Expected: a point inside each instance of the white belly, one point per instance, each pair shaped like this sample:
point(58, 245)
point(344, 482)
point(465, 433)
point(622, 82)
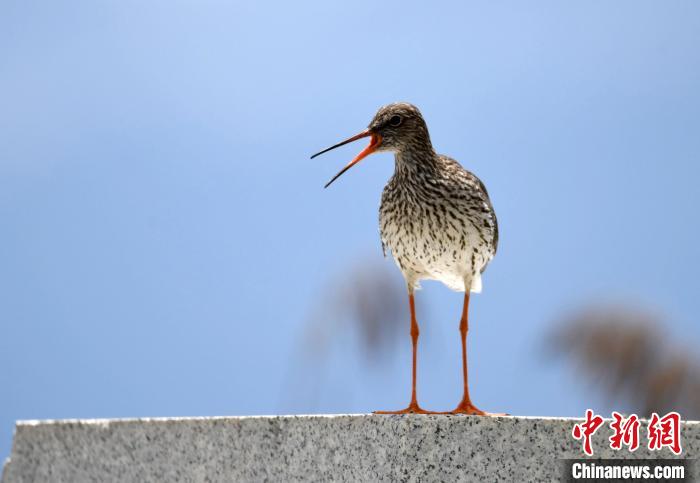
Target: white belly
point(432, 248)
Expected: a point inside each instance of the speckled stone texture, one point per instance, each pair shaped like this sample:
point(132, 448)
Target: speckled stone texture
point(308, 448)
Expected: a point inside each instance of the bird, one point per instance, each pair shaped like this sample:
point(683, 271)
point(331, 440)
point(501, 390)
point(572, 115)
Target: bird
point(436, 219)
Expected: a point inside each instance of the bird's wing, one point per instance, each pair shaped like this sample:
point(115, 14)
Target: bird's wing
point(474, 180)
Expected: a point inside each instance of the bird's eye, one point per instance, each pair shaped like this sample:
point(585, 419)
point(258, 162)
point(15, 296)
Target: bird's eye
point(395, 120)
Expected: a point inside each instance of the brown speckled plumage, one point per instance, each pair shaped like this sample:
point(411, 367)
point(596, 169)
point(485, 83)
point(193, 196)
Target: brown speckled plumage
point(435, 217)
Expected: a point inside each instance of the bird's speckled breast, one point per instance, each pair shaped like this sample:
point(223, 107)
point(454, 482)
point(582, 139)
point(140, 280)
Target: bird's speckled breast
point(439, 225)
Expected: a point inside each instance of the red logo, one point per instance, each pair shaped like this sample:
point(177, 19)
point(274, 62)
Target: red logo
point(625, 431)
point(665, 431)
point(661, 431)
point(586, 430)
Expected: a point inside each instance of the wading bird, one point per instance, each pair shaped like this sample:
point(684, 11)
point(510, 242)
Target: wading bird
point(435, 217)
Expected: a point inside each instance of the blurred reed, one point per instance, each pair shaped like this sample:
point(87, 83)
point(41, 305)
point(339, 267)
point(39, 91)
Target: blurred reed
point(363, 309)
point(627, 356)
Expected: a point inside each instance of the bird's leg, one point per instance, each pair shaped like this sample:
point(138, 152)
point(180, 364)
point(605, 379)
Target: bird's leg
point(413, 407)
point(465, 406)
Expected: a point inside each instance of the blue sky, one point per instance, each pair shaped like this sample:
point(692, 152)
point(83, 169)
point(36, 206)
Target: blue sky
point(164, 235)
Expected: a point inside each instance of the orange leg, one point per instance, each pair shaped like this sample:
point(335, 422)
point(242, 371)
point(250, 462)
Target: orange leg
point(413, 407)
point(465, 406)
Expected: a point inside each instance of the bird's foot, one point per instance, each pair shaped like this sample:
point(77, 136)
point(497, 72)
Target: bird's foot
point(469, 409)
point(412, 408)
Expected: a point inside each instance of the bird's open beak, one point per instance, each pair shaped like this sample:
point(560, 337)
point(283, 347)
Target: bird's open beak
point(374, 143)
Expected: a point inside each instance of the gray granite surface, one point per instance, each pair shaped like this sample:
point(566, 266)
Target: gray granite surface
point(308, 448)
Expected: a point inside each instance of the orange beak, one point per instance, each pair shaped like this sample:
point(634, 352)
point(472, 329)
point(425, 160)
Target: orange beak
point(374, 143)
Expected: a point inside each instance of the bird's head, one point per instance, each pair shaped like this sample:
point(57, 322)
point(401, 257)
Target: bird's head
point(397, 127)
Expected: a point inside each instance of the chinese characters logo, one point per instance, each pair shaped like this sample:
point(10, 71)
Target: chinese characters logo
point(662, 432)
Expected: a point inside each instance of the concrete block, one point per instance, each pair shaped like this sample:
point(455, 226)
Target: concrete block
point(308, 448)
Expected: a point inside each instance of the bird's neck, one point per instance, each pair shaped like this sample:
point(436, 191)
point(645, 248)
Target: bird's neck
point(413, 161)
